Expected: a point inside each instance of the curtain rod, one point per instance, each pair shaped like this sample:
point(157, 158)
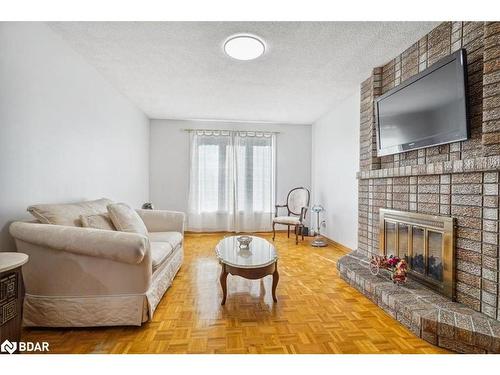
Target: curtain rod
point(227, 130)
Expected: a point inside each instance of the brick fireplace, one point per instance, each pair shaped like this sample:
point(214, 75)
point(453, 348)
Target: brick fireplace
point(459, 181)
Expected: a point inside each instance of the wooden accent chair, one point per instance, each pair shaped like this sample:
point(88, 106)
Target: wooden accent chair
point(297, 203)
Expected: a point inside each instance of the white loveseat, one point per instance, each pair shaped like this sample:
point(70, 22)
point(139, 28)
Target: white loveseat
point(80, 277)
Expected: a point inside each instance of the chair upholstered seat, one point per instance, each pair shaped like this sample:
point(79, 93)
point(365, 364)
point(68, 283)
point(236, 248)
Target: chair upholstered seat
point(292, 220)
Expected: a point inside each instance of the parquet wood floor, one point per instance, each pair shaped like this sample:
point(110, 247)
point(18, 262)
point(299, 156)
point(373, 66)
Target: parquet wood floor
point(316, 312)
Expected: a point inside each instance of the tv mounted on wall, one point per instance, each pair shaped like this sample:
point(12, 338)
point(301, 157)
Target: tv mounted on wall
point(428, 109)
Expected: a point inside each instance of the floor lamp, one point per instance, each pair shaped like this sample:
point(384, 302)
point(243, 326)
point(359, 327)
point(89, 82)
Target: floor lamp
point(318, 239)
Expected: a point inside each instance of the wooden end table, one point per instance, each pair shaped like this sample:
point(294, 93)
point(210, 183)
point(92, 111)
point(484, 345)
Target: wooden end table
point(11, 295)
point(258, 260)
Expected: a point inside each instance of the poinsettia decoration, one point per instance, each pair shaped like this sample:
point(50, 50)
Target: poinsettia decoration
point(397, 267)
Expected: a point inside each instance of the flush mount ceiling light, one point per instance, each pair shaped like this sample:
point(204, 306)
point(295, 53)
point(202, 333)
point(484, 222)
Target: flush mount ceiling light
point(244, 47)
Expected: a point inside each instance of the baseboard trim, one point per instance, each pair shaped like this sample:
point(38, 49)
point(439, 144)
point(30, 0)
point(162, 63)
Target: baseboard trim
point(337, 245)
point(331, 242)
point(234, 233)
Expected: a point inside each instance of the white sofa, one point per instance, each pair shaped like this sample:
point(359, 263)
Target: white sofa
point(80, 277)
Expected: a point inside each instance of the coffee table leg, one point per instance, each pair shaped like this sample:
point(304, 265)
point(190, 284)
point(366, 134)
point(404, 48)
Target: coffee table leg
point(223, 284)
point(276, 277)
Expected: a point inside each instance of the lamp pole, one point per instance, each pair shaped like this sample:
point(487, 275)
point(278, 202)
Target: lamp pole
point(318, 241)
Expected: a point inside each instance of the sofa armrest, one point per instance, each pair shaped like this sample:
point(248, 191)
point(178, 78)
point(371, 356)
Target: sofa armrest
point(162, 220)
point(118, 246)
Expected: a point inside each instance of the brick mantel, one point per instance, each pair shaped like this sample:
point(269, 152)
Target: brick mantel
point(480, 164)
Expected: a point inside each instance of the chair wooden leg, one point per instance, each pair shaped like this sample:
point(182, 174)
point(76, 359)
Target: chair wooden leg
point(288, 226)
point(296, 235)
point(274, 231)
point(302, 231)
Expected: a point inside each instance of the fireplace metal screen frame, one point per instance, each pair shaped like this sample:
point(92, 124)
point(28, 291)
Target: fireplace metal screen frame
point(441, 224)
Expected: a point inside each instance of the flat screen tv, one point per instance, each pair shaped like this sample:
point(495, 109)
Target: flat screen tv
point(428, 109)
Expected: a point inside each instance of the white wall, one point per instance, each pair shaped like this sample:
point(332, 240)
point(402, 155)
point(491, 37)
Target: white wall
point(65, 133)
point(335, 159)
point(169, 162)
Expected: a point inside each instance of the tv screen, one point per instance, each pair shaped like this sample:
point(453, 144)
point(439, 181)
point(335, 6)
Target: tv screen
point(429, 109)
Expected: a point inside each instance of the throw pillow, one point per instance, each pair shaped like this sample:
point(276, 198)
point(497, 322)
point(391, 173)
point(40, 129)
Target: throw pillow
point(68, 214)
point(126, 219)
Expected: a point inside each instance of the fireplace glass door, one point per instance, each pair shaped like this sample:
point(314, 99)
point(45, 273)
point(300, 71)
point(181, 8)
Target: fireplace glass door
point(435, 256)
point(417, 263)
point(403, 241)
point(426, 242)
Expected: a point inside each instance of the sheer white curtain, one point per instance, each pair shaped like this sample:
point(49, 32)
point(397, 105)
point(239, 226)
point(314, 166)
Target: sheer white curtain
point(254, 180)
point(211, 180)
point(232, 181)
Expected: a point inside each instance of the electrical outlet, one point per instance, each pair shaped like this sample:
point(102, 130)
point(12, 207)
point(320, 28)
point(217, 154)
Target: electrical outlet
point(323, 224)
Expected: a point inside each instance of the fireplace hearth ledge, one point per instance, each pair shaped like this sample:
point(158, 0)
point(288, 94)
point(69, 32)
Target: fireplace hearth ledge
point(426, 313)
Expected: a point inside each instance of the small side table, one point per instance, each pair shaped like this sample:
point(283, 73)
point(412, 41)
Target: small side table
point(11, 295)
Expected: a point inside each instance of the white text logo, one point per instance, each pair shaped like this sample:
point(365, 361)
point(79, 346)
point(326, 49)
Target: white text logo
point(24, 346)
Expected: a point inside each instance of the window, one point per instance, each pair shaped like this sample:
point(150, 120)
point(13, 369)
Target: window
point(232, 181)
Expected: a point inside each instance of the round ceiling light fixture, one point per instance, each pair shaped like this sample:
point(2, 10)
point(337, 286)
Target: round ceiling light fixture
point(244, 47)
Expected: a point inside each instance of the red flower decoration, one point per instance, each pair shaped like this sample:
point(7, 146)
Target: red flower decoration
point(395, 265)
point(393, 261)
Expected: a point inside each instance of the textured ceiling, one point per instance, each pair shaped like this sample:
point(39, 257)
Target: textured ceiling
point(178, 70)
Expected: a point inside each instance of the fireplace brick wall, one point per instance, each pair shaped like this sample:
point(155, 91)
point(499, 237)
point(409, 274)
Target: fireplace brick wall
point(459, 179)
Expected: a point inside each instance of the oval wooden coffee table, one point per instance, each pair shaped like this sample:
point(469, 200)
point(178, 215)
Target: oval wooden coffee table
point(255, 262)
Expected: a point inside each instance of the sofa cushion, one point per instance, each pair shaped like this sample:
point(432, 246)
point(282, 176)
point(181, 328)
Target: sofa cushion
point(160, 251)
point(99, 221)
point(173, 238)
point(68, 214)
point(126, 219)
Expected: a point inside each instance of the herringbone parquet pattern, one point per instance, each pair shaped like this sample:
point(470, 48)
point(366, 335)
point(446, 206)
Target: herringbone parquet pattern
point(317, 312)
